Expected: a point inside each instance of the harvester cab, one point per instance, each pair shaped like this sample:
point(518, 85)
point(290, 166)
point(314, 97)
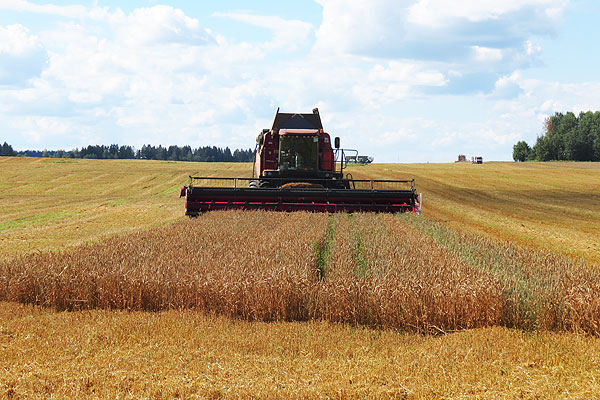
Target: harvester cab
point(296, 148)
point(297, 168)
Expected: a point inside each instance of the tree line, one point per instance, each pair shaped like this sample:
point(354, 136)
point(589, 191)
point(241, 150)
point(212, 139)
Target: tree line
point(147, 152)
point(7, 150)
point(567, 137)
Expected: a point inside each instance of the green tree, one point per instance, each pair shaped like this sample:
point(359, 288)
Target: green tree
point(582, 144)
point(7, 150)
point(161, 153)
point(173, 153)
point(542, 150)
point(521, 151)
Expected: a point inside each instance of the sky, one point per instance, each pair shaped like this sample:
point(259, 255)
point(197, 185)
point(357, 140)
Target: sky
point(400, 80)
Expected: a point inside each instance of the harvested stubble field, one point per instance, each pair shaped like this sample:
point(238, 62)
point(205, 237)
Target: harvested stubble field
point(503, 316)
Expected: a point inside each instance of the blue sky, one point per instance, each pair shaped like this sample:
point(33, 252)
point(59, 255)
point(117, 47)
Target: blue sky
point(401, 80)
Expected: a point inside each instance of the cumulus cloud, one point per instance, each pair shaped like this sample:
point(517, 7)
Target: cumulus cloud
point(134, 78)
point(71, 11)
point(375, 69)
point(373, 28)
point(550, 97)
point(507, 87)
point(287, 34)
point(22, 56)
point(422, 28)
point(481, 39)
point(396, 81)
point(437, 13)
point(161, 24)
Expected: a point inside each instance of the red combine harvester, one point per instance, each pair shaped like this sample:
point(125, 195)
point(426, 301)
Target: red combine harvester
point(296, 168)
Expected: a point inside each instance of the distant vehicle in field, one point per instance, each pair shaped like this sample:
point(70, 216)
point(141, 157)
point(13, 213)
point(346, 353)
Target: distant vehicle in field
point(356, 159)
point(461, 158)
point(476, 160)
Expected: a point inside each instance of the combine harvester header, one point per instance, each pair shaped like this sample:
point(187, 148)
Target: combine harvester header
point(296, 168)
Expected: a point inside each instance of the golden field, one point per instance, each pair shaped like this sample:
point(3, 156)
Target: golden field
point(401, 279)
point(553, 205)
point(53, 203)
point(186, 354)
point(498, 246)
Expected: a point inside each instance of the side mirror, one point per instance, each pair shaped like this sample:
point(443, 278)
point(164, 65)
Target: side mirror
point(261, 137)
point(337, 142)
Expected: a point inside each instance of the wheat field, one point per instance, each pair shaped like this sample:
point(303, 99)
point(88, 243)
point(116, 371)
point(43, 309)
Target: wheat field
point(404, 280)
point(187, 354)
point(50, 204)
point(373, 270)
point(106, 291)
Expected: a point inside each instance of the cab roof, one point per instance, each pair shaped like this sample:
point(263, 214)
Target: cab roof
point(297, 121)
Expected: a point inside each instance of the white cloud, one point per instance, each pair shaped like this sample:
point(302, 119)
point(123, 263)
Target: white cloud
point(396, 81)
point(480, 40)
point(22, 56)
point(376, 71)
point(507, 87)
point(161, 24)
point(72, 11)
point(394, 137)
point(396, 28)
point(521, 117)
point(154, 75)
point(361, 27)
point(287, 34)
point(486, 54)
point(16, 40)
point(42, 130)
point(531, 48)
point(436, 13)
point(551, 97)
